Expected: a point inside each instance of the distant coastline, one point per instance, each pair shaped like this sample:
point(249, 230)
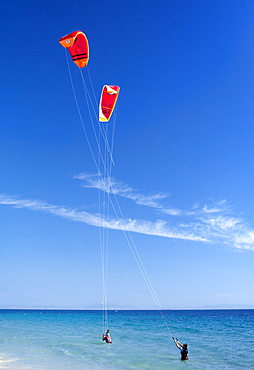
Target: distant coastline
point(127, 308)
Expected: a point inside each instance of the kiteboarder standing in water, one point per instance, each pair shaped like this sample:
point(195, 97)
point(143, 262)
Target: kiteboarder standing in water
point(183, 349)
point(107, 337)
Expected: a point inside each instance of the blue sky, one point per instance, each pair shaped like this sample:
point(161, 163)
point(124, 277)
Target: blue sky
point(183, 152)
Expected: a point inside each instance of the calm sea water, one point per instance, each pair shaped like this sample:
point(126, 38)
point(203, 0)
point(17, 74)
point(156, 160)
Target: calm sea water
point(50, 339)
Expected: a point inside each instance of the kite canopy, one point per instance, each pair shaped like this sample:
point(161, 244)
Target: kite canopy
point(108, 100)
point(78, 46)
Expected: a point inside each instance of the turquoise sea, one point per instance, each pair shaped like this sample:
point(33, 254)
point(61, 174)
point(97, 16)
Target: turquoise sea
point(71, 339)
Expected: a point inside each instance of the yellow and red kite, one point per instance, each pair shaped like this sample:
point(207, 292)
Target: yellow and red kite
point(108, 100)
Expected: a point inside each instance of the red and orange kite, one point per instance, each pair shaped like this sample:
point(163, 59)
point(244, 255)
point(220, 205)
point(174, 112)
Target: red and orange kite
point(78, 46)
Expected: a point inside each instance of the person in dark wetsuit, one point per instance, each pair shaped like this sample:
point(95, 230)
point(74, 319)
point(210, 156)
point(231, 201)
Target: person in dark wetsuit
point(183, 350)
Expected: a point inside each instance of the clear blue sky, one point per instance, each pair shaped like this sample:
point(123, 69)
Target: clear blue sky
point(184, 154)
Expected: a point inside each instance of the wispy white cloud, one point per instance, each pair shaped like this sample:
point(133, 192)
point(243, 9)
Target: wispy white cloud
point(245, 240)
point(213, 222)
point(218, 223)
point(205, 209)
point(222, 223)
point(112, 186)
point(157, 228)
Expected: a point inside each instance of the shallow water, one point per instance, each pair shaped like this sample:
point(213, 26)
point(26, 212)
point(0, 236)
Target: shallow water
point(50, 339)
